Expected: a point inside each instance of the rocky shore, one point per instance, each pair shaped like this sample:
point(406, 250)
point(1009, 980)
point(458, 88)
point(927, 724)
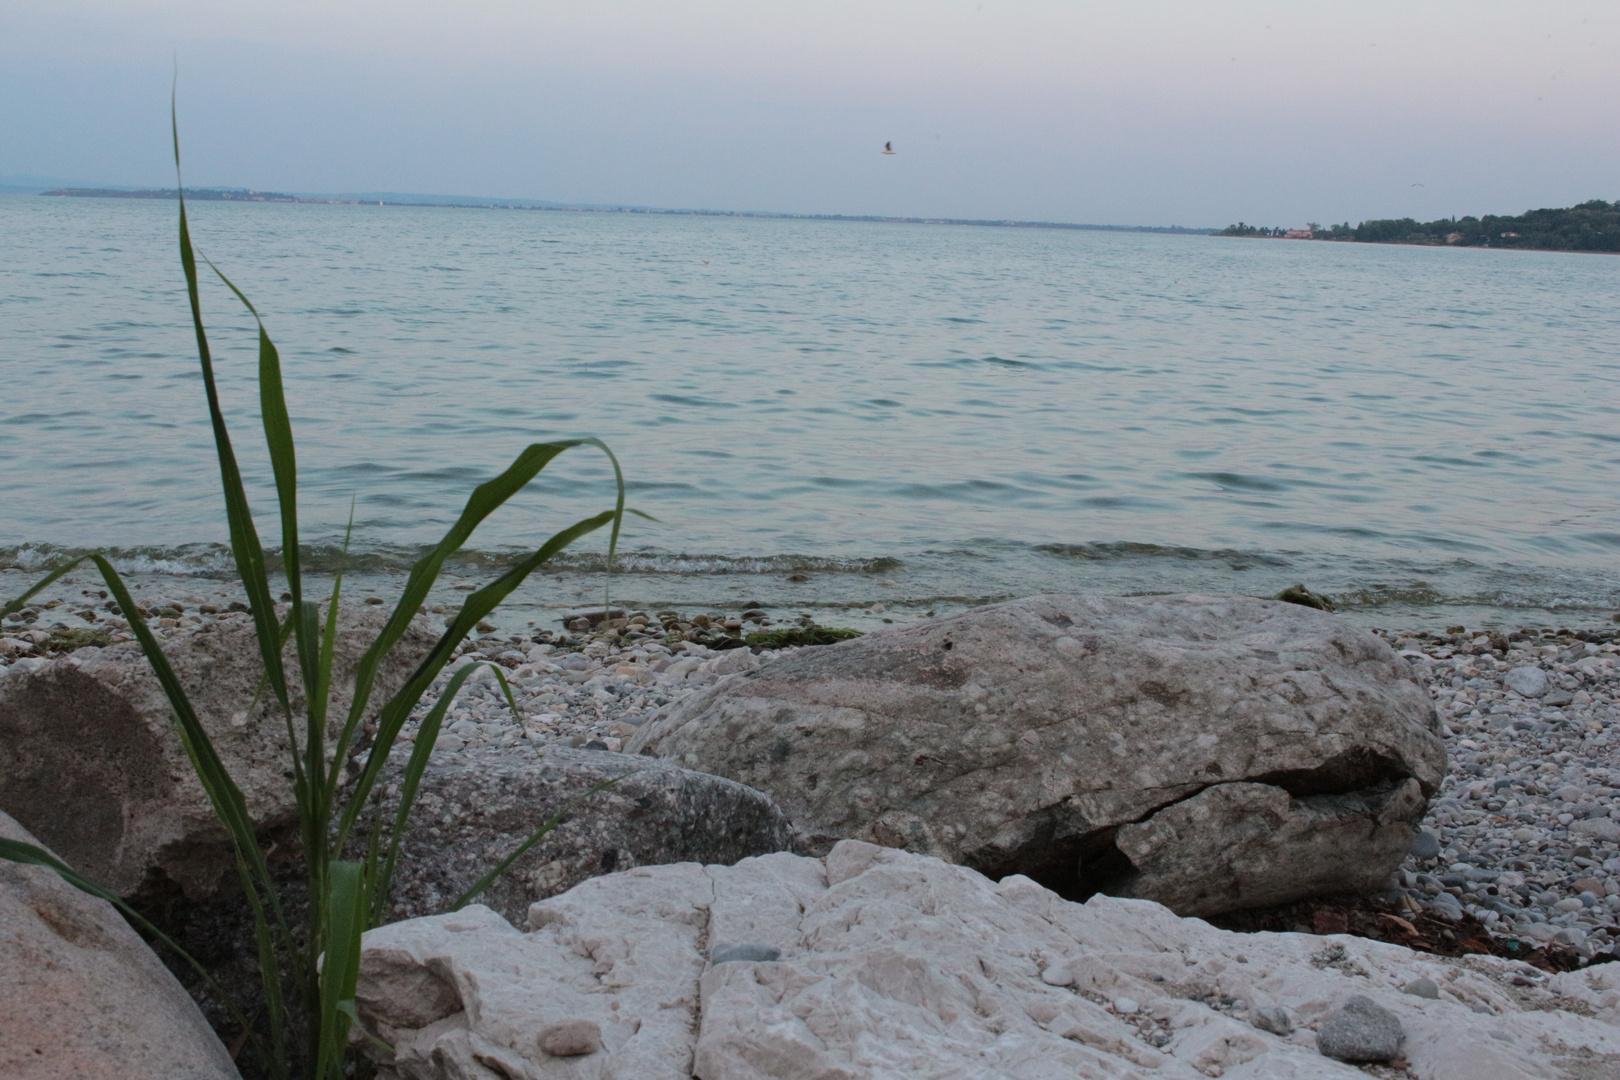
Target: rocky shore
point(1523, 835)
point(1525, 832)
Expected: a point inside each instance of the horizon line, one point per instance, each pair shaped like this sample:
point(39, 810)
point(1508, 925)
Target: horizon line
point(473, 202)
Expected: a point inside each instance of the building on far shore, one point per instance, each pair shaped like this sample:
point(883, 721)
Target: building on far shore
point(1297, 234)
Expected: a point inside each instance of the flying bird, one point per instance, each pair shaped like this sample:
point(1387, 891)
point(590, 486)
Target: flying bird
point(888, 148)
point(1417, 185)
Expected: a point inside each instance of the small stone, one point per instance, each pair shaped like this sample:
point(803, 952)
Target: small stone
point(1425, 844)
point(1125, 1006)
point(1274, 1018)
point(761, 954)
point(1361, 1031)
point(1058, 975)
point(1423, 988)
point(571, 1038)
point(1528, 681)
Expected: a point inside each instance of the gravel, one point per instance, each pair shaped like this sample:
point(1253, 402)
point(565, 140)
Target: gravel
point(1527, 819)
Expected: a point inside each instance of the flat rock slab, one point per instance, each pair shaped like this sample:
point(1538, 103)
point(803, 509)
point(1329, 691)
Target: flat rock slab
point(92, 731)
point(899, 965)
point(82, 996)
point(1212, 752)
point(472, 813)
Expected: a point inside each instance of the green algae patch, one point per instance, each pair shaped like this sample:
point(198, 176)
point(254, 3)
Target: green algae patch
point(1299, 594)
point(799, 635)
point(66, 640)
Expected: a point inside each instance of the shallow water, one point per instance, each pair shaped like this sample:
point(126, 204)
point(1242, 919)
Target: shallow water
point(924, 416)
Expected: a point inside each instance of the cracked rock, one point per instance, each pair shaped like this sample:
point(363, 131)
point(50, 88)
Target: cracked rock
point(1236, 846)
point(900, 965)
point(1028, 737)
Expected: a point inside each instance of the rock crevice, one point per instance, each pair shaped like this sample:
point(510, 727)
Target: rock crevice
point(1026, 737)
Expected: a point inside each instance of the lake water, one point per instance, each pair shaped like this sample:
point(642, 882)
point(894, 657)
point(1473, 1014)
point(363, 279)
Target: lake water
point(922, 416)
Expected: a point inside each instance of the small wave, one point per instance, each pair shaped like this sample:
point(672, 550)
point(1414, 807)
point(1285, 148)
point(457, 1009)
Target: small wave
point(638, 562)
point(1240, 481)
point(1602, 539)
point(703, 403)
point(1124, 549)
point(204, 560)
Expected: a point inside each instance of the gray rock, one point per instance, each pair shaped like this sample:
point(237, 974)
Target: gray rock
point(1261, 846)
point(473, 812)
point(1020, 737)
point(1275, 1019)
point(1601, 828)
point(570, 1038)
point(1425, 844)
point(92, 730)
point(1528, 681)
point(1423, 988)
point(1448, 907)
point(1361, 1031)
point(83, 996)
point(726, 954)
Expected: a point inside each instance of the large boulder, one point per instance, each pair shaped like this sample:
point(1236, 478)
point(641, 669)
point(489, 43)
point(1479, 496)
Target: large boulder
point(1212, 752)
point(90, 759)
point(472, 812)
point(82, 995)
point(874, 963)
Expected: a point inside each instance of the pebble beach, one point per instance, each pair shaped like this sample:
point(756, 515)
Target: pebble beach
point(1524, 834)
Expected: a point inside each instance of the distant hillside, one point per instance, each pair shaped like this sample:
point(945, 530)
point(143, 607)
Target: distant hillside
point(1591, 226)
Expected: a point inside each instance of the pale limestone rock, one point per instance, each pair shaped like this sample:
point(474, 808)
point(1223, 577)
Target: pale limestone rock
point(93, 731)
point(895, 965)
point(82, 996)
point(1019, 737)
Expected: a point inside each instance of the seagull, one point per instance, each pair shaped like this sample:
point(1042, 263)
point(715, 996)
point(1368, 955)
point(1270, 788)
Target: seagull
point(1417, 185)
point(888, 148)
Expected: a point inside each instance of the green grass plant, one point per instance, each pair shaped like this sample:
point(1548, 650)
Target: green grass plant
point(309, 977)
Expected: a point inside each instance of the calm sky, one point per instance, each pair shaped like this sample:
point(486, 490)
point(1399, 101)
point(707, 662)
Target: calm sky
point(1148, 112)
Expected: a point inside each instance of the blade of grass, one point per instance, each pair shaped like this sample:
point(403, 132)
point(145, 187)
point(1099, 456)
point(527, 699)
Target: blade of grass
point(246, 549)
point(506, 691)
point(485, 499)
point(278, 438)
point(539, 834)
point(20, 602)
point(397, 709)
point(226, 799)
point(427, 733)
point(346, 907)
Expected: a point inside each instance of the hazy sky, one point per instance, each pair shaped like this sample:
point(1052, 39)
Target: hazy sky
point(1152, 112)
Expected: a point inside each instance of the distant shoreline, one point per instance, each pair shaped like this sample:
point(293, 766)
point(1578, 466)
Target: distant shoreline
point(1592, 226)
point(468, 203)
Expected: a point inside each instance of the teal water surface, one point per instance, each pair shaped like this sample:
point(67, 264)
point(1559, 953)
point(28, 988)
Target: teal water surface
point(925, 416)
